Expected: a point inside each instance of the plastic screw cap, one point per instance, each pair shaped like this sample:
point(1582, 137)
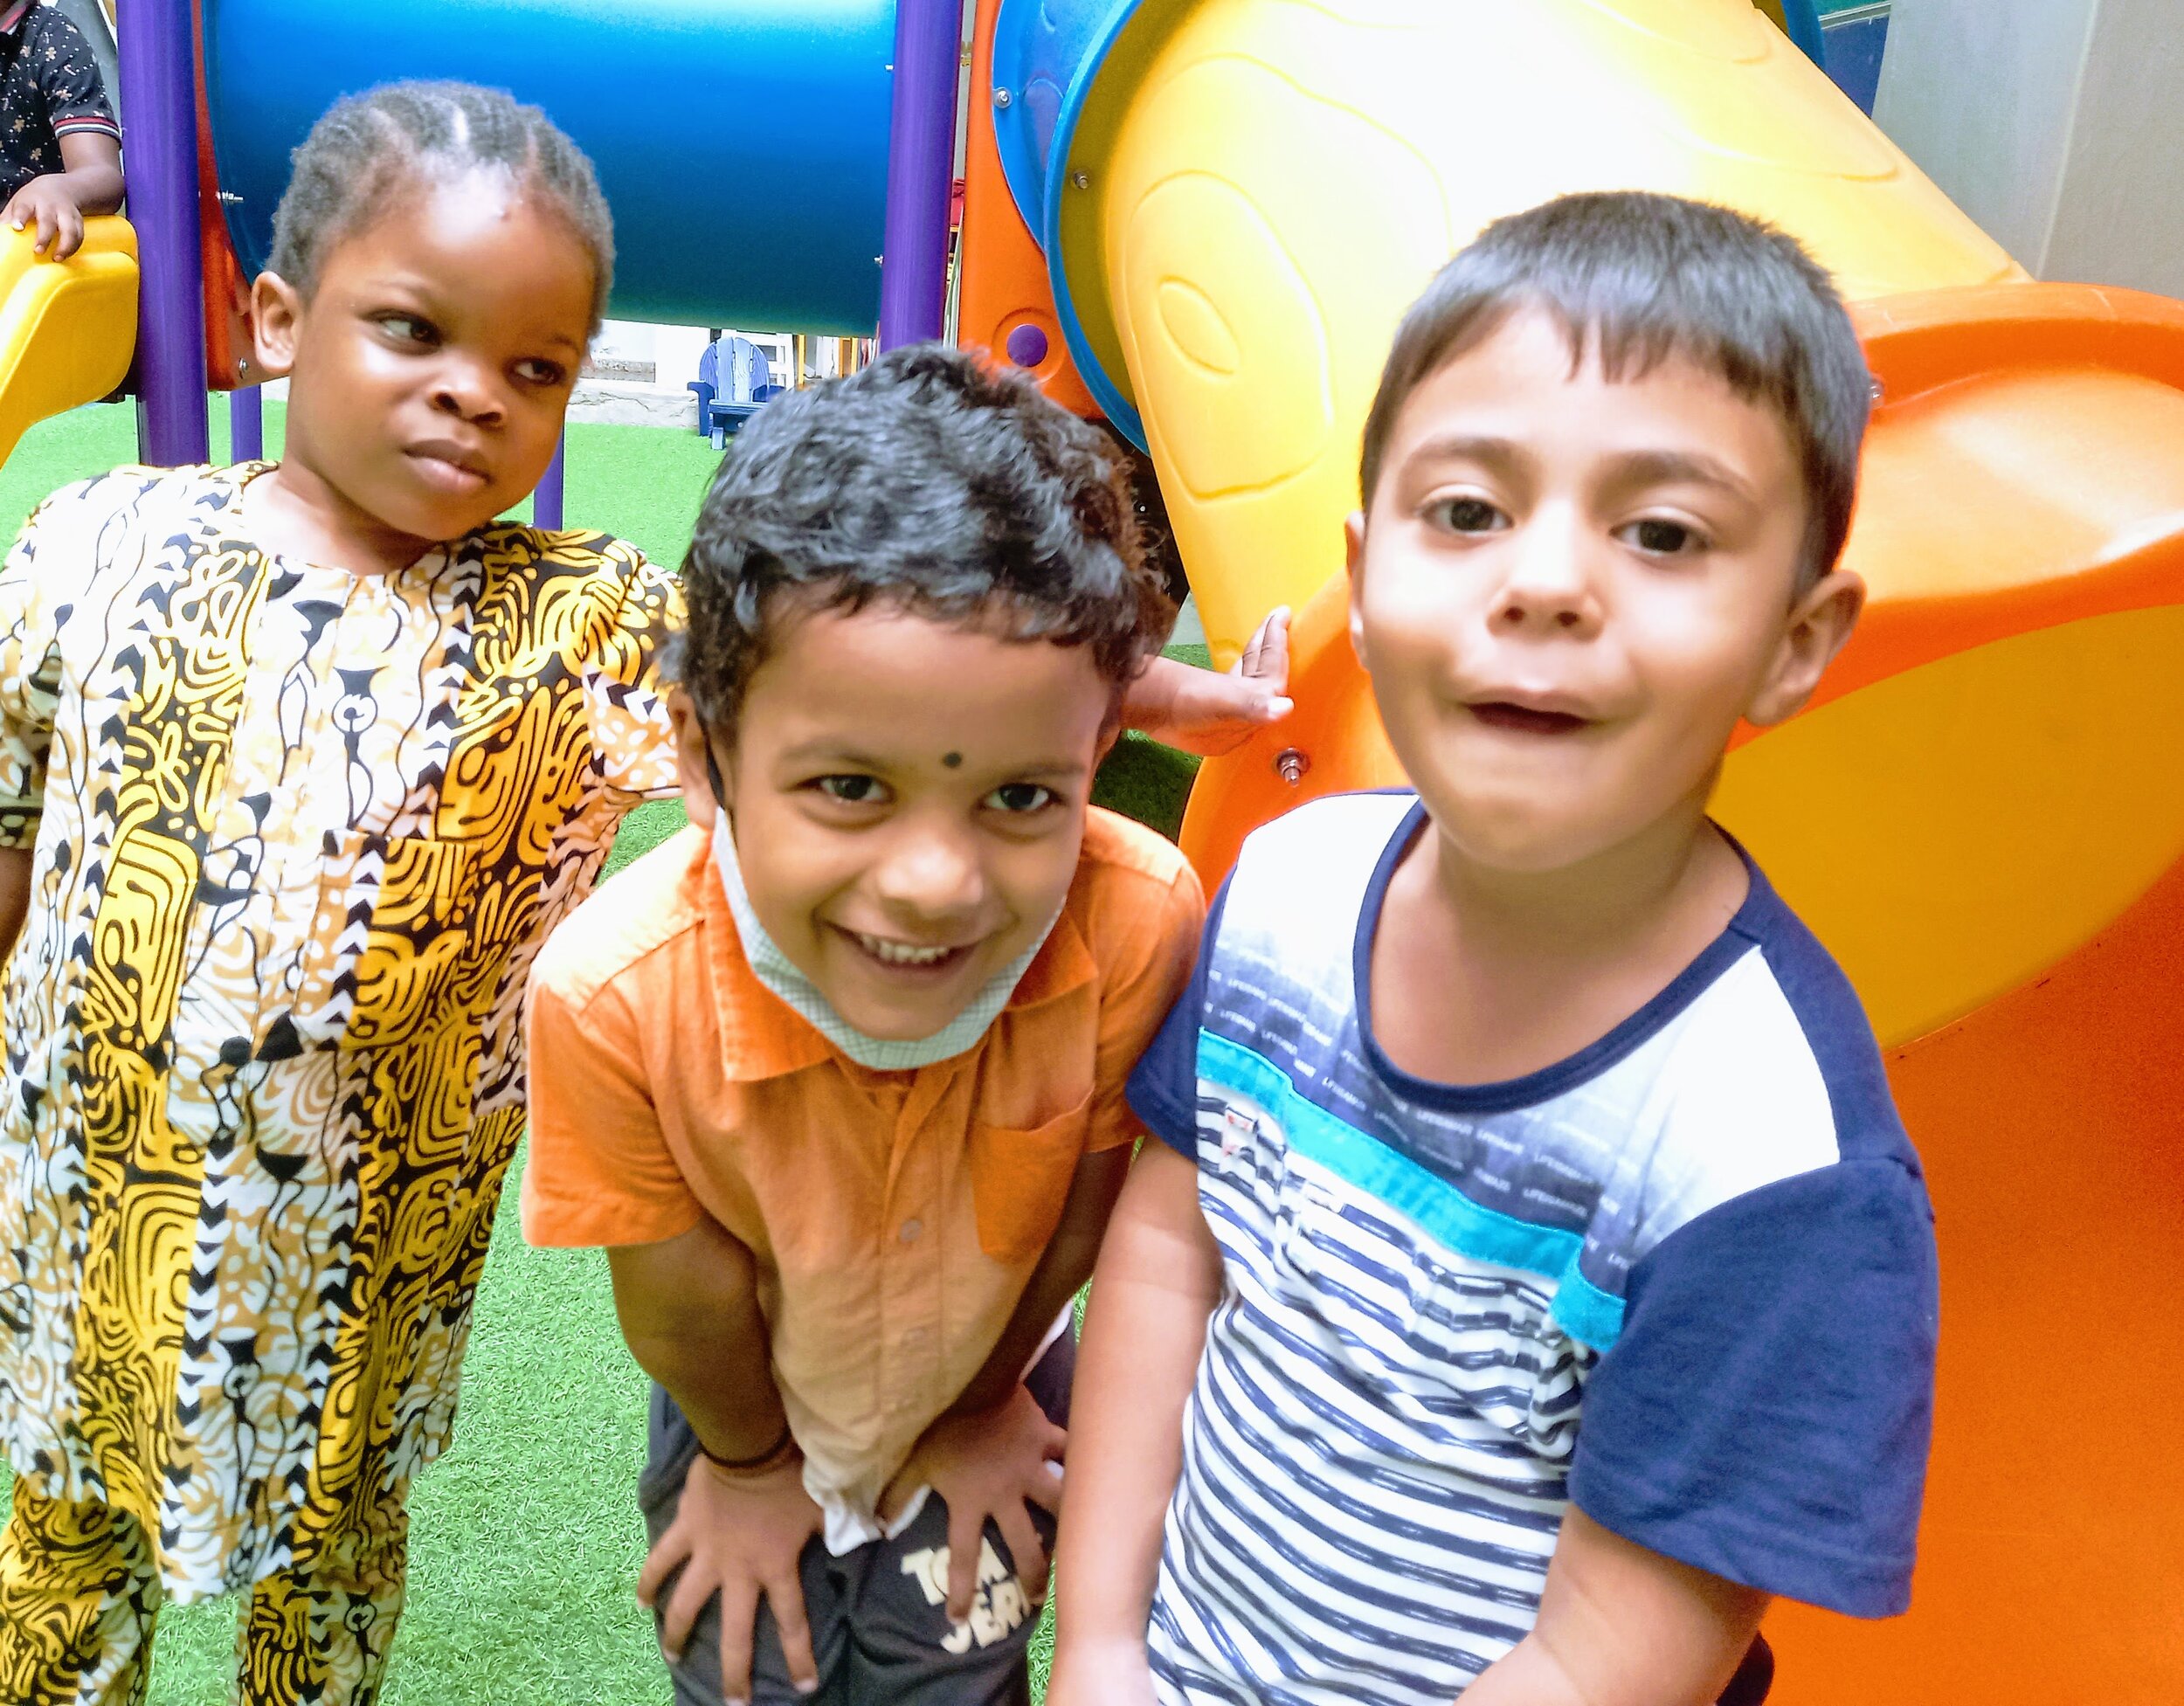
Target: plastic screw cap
point(1026, 346)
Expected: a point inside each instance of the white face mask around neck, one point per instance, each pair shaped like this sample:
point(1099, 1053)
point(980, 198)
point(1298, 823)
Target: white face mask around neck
point(780, 974)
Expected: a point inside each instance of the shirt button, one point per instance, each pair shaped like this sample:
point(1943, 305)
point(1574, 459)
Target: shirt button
point(911, 1227)
point(235, 1052)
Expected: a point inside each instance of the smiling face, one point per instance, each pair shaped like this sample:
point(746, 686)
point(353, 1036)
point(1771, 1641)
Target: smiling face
point(909, 801)
point(433, 363)
point(1568, 590)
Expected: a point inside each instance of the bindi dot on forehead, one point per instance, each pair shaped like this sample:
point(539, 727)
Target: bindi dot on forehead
point(953, 760)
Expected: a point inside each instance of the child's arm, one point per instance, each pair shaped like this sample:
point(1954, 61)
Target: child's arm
point(1621, 1625)
point(1201, 711)
point(689, 1309)
point(1159, 1278)
point(988, 1452)
point(89, 182)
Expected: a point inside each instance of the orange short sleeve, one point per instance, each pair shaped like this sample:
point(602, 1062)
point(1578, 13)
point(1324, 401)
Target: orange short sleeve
point(599, 1172)
point(1151, 965)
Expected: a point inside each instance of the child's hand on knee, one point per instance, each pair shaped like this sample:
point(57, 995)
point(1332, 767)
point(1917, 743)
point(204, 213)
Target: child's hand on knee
point(1201, 711)
point(989, 1464)
point(739, 1536)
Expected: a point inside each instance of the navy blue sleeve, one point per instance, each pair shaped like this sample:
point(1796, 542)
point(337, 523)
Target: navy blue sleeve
point(1765, 1412)
point(1164, 1086)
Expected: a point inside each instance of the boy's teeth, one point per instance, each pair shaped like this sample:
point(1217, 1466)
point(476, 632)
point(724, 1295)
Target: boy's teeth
point(901, 953)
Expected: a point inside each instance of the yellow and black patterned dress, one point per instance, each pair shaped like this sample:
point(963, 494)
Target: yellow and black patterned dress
point(298, 834)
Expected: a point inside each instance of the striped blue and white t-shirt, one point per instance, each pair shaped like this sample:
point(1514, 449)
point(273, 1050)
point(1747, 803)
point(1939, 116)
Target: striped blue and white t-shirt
point(1684, 1278)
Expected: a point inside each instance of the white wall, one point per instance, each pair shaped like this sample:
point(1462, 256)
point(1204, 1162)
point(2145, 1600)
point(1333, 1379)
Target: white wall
point(2058, 124)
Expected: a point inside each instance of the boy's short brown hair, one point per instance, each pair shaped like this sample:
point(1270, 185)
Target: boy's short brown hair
point(1637, 278)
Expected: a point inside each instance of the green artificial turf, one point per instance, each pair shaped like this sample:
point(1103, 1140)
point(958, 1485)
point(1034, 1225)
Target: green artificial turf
point(525, 1541)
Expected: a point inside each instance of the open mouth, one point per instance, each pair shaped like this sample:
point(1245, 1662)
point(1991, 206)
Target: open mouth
point(908, 956)
point(1527, 720)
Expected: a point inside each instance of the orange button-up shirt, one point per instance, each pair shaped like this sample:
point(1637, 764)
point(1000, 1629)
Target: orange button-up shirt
point(893, 1217)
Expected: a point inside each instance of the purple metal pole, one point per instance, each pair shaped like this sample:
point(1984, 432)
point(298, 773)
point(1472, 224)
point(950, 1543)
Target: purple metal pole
point(921, 170)
point(546, 502)
point(247, 424)
point(159, 129)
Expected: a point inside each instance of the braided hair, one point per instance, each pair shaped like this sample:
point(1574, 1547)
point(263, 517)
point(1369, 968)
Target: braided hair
point(371, 146)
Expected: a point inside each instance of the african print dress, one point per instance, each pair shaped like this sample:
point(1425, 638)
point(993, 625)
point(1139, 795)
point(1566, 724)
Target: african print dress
point(298, 834)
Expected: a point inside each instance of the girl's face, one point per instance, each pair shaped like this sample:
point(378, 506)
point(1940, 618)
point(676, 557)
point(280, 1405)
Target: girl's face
point(431, 368)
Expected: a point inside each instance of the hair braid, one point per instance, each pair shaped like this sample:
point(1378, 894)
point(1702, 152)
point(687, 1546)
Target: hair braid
point(369, 147)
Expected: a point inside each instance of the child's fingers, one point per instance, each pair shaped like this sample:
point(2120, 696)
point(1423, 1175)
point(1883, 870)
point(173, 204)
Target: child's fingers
point(1267, 653)
point(1274, 655)
point(1026, 1548)
point(1044, 1489)
point(687, 1604)
point(786, 1595)
point(966, 1530)
point(669, 1555)
point(739, 1615)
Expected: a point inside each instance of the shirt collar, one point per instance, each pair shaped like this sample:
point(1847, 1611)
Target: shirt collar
point(11, 18)
point(763, 1037)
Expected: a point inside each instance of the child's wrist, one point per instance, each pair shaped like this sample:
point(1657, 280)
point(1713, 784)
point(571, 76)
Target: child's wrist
point(776, 1456)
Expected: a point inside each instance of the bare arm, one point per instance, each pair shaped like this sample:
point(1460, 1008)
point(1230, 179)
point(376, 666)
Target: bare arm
point(15, 895)
point(688, 1310)
point(1159, 1278)
point(91, 167)
point(1621, 1625)
point(53, 205)
point(1202, 711)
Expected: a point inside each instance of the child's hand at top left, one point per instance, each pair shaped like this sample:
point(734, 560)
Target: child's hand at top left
point(45, 207)
point(1201, 711)
point(987, 1464)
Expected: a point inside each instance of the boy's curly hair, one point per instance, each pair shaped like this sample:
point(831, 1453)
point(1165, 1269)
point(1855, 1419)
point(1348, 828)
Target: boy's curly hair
point(926, 482)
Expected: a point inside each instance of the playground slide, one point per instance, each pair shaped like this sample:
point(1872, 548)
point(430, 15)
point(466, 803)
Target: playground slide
point(1981, 815)
point(66, 327)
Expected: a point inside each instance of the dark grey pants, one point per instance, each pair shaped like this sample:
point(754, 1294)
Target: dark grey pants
point(880, 1626)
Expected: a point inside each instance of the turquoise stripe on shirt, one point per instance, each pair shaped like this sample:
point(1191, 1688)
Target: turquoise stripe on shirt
point(1587, 1313)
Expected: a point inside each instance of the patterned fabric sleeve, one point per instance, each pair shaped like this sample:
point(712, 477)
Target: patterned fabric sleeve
point(68, 79)
point(29, 663)
point(632, 742)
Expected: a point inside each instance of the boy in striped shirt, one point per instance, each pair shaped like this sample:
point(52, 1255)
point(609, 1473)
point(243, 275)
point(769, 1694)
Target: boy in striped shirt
point(1532, 1277)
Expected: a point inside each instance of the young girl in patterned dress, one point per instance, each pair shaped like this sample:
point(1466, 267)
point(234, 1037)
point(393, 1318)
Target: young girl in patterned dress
point(298, 765)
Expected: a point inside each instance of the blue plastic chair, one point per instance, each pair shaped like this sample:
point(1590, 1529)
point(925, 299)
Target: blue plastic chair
point(734, 379)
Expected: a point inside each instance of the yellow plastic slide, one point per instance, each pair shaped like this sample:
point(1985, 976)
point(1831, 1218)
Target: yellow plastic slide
point(1982, 815)
point(67, 328)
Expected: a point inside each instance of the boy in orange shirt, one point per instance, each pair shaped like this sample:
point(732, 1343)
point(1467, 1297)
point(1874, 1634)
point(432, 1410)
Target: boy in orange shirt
point(837, 1075)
